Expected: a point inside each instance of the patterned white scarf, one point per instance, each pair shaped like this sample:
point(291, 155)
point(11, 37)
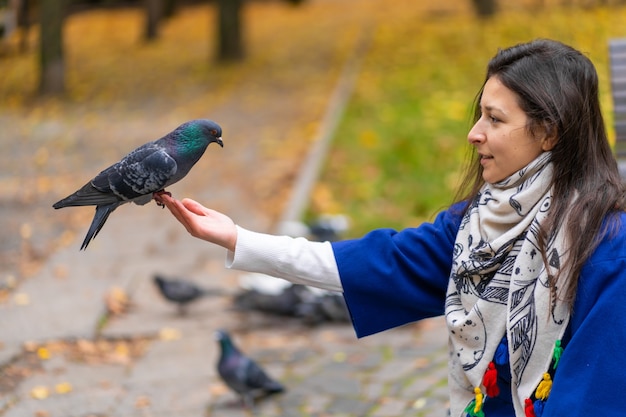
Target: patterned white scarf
point(499, 285)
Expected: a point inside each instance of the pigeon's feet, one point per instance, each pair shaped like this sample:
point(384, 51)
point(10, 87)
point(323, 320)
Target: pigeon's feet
point(157, 197)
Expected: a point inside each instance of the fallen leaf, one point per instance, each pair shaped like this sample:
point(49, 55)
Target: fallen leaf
point(21, 299)
point(169, 333)
point(218, 389)
point(419, 403)
point(63, 388)
point(117, 301)
point(43, 353)
point(40, 392)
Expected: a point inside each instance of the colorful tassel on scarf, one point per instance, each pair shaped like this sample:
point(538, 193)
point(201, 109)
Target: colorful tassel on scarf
point(529, 410)
point(556, 355)
point(490, 380)
point(544, 387)
point(501, 357)
point(475, 408)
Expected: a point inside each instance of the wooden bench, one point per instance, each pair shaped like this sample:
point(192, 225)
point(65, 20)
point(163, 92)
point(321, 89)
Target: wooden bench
point(617, 57)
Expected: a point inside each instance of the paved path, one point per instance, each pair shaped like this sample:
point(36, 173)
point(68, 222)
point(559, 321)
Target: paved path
point(60, 357)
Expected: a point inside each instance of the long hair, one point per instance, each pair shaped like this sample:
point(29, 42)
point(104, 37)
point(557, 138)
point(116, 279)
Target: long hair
point(557, 88)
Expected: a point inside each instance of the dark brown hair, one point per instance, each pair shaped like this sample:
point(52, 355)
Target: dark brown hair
point(557, 87)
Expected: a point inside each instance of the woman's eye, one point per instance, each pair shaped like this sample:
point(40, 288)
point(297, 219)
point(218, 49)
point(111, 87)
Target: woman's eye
point(493, 119)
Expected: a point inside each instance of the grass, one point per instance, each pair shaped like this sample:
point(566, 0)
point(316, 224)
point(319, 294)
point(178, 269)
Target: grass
point(397, 155)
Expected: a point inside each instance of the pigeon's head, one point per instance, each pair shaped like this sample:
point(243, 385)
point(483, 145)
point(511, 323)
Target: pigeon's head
point(208, 129)
point(193, 137)
point(223, 338)
point(221, 335)
point(158, 280)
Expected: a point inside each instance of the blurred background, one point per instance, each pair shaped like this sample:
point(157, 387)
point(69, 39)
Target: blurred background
point(83, 82)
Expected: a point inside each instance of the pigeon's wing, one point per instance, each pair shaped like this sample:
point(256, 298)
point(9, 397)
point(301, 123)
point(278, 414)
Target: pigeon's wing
point(232, 370)
point(144, 171)
point(182, 291)
point(88, 195)
point(256, 378)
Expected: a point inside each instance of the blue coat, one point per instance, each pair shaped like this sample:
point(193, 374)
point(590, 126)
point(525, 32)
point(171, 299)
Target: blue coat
point(393, 278)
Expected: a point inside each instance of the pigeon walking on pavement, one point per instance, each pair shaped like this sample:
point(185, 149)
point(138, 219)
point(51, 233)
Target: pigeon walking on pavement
point(181, 292)
point(144, 173)
point(242, 374)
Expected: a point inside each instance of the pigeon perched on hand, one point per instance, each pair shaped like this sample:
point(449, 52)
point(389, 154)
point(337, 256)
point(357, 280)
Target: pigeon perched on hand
point(242, 374)
point(144, 173)
point(181, 292)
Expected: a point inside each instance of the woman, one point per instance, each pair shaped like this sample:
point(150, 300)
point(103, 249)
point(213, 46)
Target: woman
point(528, 267)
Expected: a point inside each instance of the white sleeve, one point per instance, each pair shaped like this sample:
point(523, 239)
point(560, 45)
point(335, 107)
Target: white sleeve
point(295, 259)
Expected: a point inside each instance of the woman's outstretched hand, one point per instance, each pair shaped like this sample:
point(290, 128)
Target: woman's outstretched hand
point(202, 222)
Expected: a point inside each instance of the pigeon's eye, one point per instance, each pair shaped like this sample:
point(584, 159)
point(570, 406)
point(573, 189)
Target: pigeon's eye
point(214, 132)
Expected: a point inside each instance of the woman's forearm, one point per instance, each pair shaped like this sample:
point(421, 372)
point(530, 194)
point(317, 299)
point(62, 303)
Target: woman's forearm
point(297, 260)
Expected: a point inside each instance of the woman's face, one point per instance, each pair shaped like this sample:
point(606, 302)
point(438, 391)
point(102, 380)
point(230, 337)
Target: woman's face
point(500, 135)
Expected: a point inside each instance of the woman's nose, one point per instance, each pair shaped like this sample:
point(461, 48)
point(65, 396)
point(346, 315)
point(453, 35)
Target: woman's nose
point(476, 134)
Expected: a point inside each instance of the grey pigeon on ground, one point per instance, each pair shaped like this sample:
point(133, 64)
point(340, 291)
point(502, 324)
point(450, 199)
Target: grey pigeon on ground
point(144, 173)
point(181, 292)
point(275, 296)
point(243, 375)
point(313, 306)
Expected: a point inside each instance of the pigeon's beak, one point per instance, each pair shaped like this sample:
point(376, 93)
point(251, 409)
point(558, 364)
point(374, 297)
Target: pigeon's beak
point(220, 141)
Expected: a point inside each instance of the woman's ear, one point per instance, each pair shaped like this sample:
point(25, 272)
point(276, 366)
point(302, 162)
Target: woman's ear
point(550, 139)
point(548, 143)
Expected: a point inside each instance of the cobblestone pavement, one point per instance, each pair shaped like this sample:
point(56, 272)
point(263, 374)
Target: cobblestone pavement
point(152, 362)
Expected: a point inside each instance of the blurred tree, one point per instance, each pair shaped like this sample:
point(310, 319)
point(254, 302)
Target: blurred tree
point(52, 15)
point(230, 39)
point(24, 21)
point(485, 8)
point(154, 12)
point(169, 8)
point(52, 65)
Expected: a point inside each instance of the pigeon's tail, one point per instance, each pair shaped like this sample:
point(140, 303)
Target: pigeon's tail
point(274, 387)
point(101, 216)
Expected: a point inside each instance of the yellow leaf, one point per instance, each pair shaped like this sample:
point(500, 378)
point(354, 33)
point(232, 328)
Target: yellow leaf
point(419, 403)
point(117, 301)
point(21, 299)
point(40, 392)
point(63, 388)
point(122, 349)
point(43, 353)
point(339, 356)
point(169, 333)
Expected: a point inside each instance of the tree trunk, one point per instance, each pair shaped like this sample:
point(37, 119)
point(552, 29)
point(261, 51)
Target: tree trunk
point(485, 8)
point(52, 65)
point(230, 42)
point(154, 11)
point(169, 8)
